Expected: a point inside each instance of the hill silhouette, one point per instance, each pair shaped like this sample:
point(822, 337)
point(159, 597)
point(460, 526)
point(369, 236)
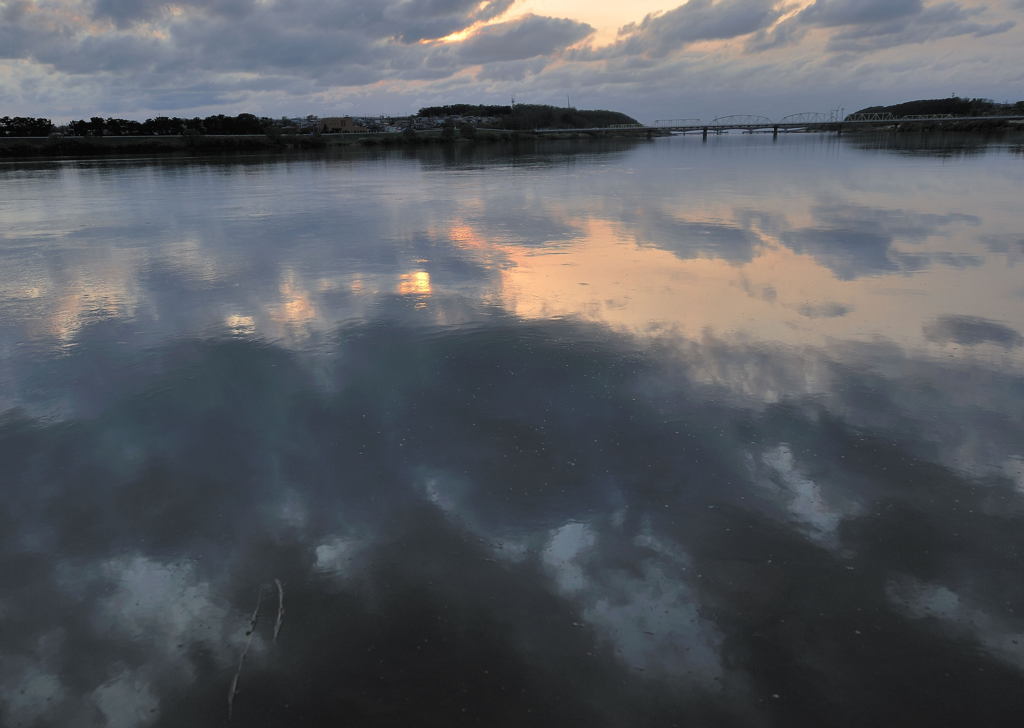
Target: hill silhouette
point(532, 116)
point(954, 105)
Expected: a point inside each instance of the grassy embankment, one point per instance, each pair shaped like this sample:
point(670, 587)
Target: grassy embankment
point(953, 107)
point(71, 146)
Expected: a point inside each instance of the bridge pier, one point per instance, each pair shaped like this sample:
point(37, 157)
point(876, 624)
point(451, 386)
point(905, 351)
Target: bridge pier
point(775, 132)
point(704, 134)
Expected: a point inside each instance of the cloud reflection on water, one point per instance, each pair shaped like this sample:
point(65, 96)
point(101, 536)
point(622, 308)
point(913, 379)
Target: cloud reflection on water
point(487, 518)
point(643, 453)
point(815, 243)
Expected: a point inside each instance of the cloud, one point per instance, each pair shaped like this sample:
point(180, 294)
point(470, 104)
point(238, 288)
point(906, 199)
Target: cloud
point(863, 26)
point(509, 71)
point(940, 21)
point(292, 48)
point(353, 42)
point(831, 13)
point(406, 20)
point(659, 34)
point(130, 58)
point(788, 32)
point(425, 19)
point(526, 37)
point(125, 13)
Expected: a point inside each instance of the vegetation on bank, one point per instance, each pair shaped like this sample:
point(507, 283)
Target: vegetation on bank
point(30, 136)
point(23, 126)
point(70, 146)
point(954, 106)
point(519, 117)
point(531, 116)
point(74, 146)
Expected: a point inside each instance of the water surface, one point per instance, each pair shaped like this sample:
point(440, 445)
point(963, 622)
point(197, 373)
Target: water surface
point(607, 434)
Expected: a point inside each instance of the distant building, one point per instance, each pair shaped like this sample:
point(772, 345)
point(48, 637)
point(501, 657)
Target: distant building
point(342, 124)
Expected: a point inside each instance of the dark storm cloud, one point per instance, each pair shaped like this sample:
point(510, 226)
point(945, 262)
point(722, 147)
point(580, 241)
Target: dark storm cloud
point(512, 70)
point(788, 32)
point(830, 13)
point(127, 12)
point(273, 44)
point(877, 24)
point(860, 27)
point(526, 37)
point(345, 43)
point(314, 48)
point(414, 20)
point(659, 34)
point(940, 21)
point(701, 20)
point(971, 331)
point(105, 53)
point(407, 20)
point(166, 93)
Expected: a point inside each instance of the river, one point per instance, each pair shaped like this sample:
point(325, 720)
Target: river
point(620, 433)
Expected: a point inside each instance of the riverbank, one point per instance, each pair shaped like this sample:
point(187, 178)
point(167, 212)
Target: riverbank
point(75, 146)
point(967, 126)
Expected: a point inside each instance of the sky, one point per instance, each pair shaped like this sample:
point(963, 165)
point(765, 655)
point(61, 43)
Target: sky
point(653, 59)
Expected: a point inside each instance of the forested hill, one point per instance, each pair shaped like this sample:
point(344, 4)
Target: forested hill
point(532, 116)
point(954, 105)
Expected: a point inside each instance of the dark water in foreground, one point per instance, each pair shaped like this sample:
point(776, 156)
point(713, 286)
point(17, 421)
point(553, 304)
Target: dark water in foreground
point(629, 435)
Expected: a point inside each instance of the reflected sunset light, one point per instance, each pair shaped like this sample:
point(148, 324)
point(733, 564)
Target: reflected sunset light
point(415, 284)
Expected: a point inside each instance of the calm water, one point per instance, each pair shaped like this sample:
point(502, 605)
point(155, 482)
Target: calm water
point(653, 434)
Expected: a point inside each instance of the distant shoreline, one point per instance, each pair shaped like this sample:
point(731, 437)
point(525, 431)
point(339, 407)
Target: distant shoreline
point(57, 147)
point(75, 146)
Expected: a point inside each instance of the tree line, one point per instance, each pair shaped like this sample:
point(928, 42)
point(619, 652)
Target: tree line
point(518, 117)
point(465, 110)
point(954, 105)
point(24, 126)
point(532, 116)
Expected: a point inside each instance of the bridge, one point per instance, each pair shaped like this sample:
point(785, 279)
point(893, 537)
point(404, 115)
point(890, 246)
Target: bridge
point(803, 121)
point(814, 121)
